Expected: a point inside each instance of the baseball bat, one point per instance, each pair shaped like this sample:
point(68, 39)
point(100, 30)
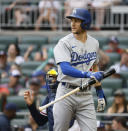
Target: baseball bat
point(90, 82)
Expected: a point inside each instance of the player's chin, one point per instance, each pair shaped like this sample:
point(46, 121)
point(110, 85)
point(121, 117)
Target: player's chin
point(74, 31)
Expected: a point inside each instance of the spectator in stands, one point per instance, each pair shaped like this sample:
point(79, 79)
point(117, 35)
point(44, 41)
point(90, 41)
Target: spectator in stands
point(9, 113)
point(4, 66)
point(113, 45)
point(13, 82)
point(14, 54)
point(124, 2)
point(3, 100)
point(103, 60)
point(99, 6)
point(122, 66)
point(50, 65)
point(120, 124)
point(32, 125)
point(100, 126)
point(48, 10)
point(34, 85)
point(28, 52)
point(41, 76)
point(21, 9)
point(71, 4)
point(39, 56)
point(15, 67)
point(120, 104)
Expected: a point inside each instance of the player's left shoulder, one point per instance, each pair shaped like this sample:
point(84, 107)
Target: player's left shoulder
point(93, 40)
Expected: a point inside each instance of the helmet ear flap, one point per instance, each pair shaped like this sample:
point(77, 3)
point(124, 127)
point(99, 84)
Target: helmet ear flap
point(85, 25)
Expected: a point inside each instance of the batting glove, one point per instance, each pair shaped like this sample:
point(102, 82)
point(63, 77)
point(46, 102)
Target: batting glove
point(101, 104)
point(97, 75)
point(101, 99)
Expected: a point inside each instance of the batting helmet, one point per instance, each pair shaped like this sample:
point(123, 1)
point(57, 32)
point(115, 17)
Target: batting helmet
point(83, 15)
point(51, 78)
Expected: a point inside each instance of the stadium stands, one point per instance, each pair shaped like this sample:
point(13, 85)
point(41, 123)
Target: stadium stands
point(24, 47)
point(4, 39)
point(34, 40)
point(19, 101)
point(102, 41)
point(123, 40)
point(112, 83)
point(109, 84)
point(30, 65)
point(114, 57)
point(49, 41)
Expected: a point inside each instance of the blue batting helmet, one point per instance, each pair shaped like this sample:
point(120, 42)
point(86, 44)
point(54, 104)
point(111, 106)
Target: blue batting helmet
point(83, 15)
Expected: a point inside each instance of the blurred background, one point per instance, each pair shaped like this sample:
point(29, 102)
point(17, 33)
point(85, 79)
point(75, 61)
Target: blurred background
point(29, 30)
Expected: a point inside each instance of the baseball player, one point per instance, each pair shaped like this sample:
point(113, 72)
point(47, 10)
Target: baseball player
point(76, 54)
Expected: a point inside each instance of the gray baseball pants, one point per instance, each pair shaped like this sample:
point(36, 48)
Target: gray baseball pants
point(79, 105)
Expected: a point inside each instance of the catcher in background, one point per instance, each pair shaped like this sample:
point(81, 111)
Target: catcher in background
point(41, 118)
point(76, 56)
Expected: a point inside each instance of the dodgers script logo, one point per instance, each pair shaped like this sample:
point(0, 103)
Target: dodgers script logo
point(84, 58)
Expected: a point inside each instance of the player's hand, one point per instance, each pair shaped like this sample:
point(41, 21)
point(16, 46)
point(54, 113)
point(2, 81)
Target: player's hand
point(98, 75)
point(29, 97)
point(101, 99)
point(101, 104)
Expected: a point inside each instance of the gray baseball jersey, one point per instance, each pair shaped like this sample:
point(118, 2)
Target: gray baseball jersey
point(81, 56)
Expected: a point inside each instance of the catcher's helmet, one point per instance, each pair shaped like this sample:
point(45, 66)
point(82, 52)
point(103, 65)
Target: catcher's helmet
point(51, 78)
point(83, 15)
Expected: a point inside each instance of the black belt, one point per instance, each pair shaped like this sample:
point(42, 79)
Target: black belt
point(69, 86)
point(73, 86)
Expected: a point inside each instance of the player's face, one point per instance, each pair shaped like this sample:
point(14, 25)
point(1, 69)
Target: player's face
point(76, 26)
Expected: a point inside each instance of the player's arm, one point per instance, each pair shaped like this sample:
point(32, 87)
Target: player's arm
point(99, 92)
point(37, 116)
point(67, 69)
point(95, 68)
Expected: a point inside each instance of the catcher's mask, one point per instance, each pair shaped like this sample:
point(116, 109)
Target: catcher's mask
point(51, 78)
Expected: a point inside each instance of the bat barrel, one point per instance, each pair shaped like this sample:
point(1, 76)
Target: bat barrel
point(109, 73)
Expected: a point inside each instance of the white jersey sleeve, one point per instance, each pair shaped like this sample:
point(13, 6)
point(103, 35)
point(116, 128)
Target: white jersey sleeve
point(62, 48)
